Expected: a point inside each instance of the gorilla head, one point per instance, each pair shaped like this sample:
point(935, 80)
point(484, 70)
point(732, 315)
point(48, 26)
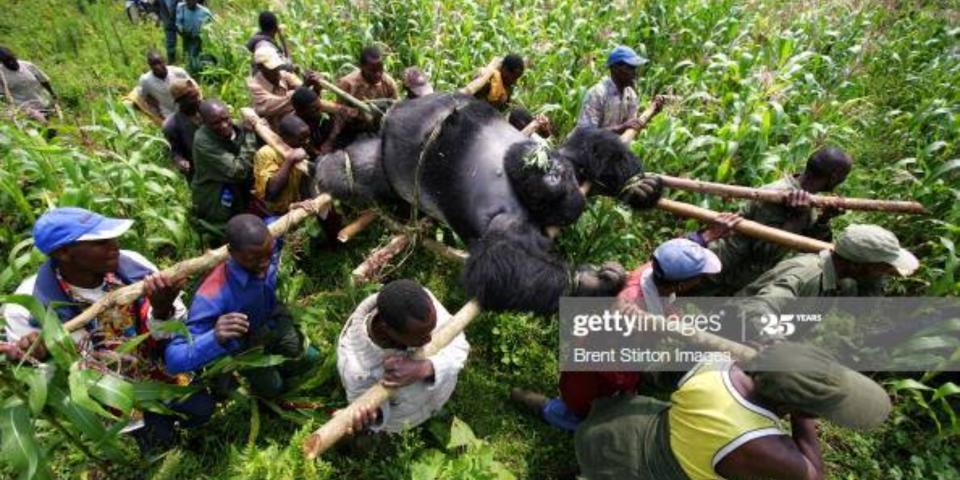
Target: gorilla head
point(545, 183)
point(600, 157)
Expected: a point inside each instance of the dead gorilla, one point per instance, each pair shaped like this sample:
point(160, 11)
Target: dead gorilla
point(458, 161)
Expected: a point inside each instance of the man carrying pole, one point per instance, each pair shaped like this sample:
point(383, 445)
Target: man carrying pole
point(745, 258)
point(372, 349)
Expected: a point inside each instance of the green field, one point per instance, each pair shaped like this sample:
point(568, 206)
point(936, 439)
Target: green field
point(764, 84)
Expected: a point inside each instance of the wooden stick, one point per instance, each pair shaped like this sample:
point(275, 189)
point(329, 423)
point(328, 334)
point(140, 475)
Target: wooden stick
point(193, 266)
point(747, 227)
point(652, 109)
point(263, 130)
point(379, 257)
point(445, 251)
point(142, 105)
point(357, 226)
point(780, 196)
point(477, 83)
point(335, 428)
point(365, 107)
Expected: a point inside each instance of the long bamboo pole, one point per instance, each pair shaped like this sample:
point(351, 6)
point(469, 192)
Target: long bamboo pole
point(193, 266)
point(780, 196)
point(365, 107)
point(477, 83)
point(747, 227)
point(356, 226)
point(652, 109)
point(263, 130)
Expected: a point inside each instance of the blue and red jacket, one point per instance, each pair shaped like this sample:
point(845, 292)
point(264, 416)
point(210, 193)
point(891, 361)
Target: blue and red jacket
point(228, 288)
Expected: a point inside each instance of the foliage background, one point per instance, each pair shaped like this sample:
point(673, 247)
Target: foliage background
point(764, 84)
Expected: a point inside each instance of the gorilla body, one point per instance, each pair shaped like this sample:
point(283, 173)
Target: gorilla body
point(456, 160)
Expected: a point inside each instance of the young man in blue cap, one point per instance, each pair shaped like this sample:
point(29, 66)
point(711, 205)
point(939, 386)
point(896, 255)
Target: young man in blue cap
point(677, 266)
point(612, 103)
point(236, 308)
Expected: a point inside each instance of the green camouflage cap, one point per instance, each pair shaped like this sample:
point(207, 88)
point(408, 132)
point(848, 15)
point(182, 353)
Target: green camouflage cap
point(873, 244)
point(806, 378)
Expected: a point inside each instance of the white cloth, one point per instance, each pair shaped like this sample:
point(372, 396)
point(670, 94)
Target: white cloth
point(360, 363)
point(26, 86)
point(606, 106)
point(18, 317)
point(159, 88)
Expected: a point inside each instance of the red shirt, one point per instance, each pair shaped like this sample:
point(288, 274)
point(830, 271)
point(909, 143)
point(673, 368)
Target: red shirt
point(578, 390)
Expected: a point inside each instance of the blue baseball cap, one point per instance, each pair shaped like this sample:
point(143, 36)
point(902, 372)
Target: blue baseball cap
point(625, 54)
point(682, 259)
point(63, 226)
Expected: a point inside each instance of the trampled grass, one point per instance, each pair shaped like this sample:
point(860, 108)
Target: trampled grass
point(764, 83)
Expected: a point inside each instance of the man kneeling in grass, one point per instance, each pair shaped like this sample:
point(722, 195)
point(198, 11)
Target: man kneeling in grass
point(375, 347)
point(236, 309)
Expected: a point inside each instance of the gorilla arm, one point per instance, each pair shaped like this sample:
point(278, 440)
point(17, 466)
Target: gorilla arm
point(511, 268)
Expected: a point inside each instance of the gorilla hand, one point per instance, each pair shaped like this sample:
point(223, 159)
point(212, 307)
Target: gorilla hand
point(592, 281)
point(642, 192)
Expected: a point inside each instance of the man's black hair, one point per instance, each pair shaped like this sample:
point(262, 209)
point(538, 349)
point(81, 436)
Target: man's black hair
point(246, 230)
point(513, 62)
point(369, 54)
point(208, 107)
point(401, 301)
point(303, 97)
point(519, 118)
point(824, 161)
point(290, 124)
point(268, 21)
point(153, 53)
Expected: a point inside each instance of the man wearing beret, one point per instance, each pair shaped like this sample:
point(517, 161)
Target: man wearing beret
point(862, 256)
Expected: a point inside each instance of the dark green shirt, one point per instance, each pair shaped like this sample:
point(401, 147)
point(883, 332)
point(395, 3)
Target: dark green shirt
point(626, 437)
point(807, 275)
point(222, 174)
point(744, 258)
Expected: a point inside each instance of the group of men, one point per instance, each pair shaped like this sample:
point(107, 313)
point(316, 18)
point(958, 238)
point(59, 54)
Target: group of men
point(722, 420)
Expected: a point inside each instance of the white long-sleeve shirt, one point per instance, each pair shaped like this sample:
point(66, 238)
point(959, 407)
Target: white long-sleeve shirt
point(360, 363)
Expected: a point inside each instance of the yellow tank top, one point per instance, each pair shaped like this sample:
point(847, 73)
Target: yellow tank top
point(709, 418)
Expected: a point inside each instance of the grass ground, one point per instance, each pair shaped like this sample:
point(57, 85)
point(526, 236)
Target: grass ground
point(765, 83)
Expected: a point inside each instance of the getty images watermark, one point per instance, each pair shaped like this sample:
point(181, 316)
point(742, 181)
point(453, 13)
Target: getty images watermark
point(875, 334)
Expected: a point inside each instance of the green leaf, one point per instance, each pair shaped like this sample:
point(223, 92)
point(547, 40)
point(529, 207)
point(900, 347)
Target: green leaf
point(461, 435)
point(428, 466)
point(113, 391)
point(80, 381)
point(19, 448)
point(132, 344)
point(149, 391)
point(254, 358)
point(37, 380)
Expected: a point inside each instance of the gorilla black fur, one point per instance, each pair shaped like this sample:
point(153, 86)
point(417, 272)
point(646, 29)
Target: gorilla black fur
point(513, 269)
point(457, 160)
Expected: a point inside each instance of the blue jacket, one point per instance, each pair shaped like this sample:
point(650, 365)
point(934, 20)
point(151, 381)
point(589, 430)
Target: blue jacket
point(228, 288)
point(47, 289)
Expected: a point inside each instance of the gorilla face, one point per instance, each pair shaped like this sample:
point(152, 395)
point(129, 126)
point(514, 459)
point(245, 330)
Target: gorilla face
point(545, 183)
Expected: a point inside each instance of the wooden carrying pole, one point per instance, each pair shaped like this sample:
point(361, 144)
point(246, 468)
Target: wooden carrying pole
point(747, 227)
point(780, 196)
point(335, 428)
point(652, 109)
point(356, 226)
point(365, 107)
point(477, 83)
point(193, 266)
point(270, 137)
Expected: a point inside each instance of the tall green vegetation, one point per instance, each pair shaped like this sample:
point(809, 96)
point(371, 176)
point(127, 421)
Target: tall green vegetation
point(763, 84)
